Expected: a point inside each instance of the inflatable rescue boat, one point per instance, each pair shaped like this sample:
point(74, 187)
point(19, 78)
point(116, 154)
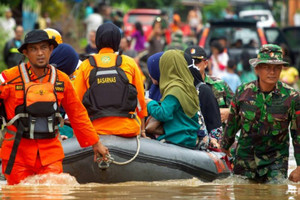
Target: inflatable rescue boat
point(134, 159)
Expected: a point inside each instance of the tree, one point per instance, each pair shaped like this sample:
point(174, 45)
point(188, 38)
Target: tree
point(147, 4)
point(11, 3)
point(53, 7)
point(215, 10)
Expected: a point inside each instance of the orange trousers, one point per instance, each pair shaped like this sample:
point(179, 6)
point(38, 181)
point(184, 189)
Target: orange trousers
point(20, 171)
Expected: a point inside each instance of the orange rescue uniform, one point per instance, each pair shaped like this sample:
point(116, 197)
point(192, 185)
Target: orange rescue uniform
point(31, 152)
point(114, 125)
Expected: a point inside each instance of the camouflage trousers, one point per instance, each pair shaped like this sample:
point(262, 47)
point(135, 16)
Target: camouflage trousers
point(272, 173)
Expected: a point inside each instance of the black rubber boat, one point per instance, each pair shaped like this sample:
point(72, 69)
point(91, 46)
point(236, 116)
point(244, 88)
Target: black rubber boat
point(155, 161)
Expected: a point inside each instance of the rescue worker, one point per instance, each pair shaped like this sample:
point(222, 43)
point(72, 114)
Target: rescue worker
point(64, 53)
point(32, 94)
point(264, 110)
point(11, 55)
point(54, 34)
point(111, 87)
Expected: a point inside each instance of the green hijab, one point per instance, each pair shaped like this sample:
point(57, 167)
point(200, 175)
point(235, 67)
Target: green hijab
point(176, 79)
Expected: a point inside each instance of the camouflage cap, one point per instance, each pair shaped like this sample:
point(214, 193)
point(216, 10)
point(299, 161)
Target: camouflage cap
point(177, 36)
point(268, 54)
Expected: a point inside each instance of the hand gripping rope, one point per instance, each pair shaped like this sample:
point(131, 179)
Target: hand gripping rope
point(104, 164)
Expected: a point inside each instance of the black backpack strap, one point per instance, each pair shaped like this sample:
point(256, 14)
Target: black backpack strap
point(120, 70)
point(93, 71)
point(119, 61)
point(92, 61)
point(12, 157)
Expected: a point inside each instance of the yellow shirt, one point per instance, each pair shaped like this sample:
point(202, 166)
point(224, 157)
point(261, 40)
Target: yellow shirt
point(289, 75)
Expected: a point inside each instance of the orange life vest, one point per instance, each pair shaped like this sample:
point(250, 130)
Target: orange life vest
point(38, 116)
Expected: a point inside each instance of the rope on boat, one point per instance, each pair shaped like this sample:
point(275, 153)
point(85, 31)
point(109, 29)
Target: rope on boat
point(136, 154)
point(104, 164)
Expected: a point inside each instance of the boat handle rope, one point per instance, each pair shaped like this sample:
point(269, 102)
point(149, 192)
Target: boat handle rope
point(104, 164)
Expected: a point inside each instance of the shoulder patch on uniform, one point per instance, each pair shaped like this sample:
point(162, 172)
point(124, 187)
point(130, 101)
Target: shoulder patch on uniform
point(59, 86)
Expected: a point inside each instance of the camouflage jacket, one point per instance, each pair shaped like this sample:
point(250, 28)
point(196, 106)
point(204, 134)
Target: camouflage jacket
point(221, 91)
point(264, 121)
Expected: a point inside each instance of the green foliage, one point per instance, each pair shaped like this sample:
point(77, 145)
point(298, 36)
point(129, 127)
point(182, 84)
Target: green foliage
point(145, 4)
point(215, 10)
point(30, 4)
point(156, 3)
point(83, 43)
point(10, 3)
point(124, 7)
point(124, 4)
point(2, 43)
point(3, 37)
point(276, 11)
point(53, 7)
point(2, 9)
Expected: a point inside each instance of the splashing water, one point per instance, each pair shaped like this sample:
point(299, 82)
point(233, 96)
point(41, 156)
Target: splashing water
point(50, 179)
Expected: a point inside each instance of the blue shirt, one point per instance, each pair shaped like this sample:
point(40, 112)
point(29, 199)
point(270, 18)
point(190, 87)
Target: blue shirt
point(233, 80)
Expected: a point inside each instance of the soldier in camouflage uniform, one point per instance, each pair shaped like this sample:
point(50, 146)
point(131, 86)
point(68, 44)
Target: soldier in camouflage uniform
point(222, 93)
point(263, 111)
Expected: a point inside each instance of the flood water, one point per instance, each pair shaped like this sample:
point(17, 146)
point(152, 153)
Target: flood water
point(64, 186)
point(232, 188)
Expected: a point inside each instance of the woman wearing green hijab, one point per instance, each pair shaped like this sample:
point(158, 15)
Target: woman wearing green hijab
point(179, 103)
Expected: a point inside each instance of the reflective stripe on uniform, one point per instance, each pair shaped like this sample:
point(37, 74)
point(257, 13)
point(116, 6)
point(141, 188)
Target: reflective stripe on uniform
point(53, 75)
point(139, 105)
point(14, 50)
point(24, 73)
point(106, 72)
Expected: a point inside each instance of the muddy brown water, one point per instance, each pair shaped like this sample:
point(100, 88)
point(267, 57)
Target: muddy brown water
point(64, 186)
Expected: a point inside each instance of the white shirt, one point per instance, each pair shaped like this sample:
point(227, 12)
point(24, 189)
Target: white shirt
point(223, 60)
point(8, 26)
point(93, 21)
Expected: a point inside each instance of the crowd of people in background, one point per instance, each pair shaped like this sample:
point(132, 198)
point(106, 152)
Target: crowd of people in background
point(168, 32)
